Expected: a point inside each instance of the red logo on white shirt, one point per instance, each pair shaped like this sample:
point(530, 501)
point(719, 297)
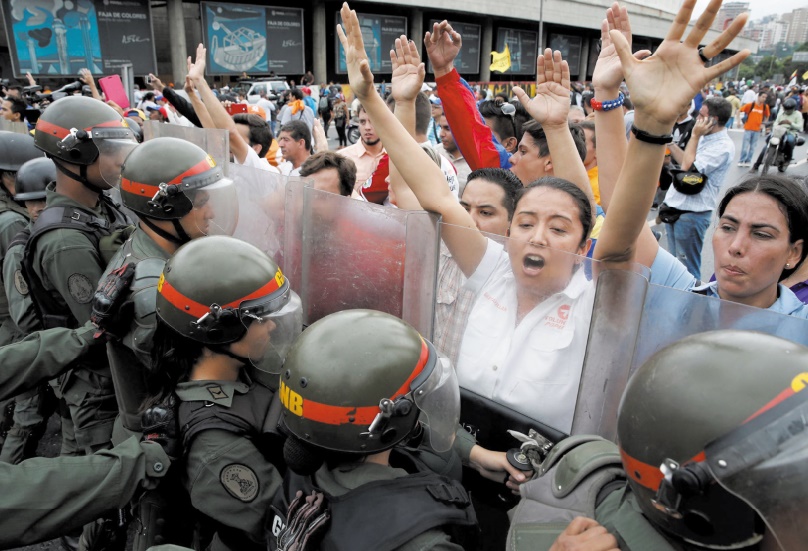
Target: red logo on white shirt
point(564, 311)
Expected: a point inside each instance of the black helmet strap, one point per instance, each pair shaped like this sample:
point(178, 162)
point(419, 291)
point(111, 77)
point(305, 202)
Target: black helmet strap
point(222, 349)
point(81, 177)
point(180, 239)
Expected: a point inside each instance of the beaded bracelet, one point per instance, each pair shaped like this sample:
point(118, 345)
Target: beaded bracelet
point(608, 105)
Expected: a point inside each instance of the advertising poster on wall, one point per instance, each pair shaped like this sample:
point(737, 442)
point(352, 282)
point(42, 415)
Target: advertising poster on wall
point(570, 48)
point(244, 38)
point(467, 61)
point(379, 33)
point(50, 38)
point(522, 46)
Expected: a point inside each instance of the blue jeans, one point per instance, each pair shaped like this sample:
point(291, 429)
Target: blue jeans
point(750, 138)
point(686, 238)
point(730, 123)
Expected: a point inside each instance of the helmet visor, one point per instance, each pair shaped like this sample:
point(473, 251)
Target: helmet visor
point(215, 210)
point(114, 145)
point(765, 463)
point(280, 320)
point(438, 399)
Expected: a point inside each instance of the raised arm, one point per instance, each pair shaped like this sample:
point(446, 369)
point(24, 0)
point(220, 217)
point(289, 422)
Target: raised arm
point(406, 82)
point(474, 139)
point(610, 130)
point(183, 106)
point(199, 108)
point(550, 108)
point(422, 175)
point(218, 114)
point(661, 87)
point(87, 78)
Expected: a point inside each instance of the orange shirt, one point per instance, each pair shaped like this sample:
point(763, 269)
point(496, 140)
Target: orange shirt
point(755, 115)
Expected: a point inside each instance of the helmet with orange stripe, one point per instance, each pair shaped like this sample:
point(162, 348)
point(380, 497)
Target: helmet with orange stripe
point(83, 131)
point(176, 180)
point(360, 381)
point(712, 437)
point(231, 298)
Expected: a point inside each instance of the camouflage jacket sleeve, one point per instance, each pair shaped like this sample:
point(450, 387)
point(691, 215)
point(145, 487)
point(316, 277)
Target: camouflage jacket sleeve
point(230, 481)
point(41, 356)
point(46, 497)
point(71, 266)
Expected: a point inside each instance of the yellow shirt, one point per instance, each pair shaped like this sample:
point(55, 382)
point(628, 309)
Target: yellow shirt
point(593, 181)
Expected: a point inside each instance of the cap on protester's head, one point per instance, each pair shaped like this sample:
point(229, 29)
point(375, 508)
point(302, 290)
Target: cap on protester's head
point(306, 90)
point(159, 97)
point(135, 113)
point(257, 110)
point(162, 110)
point(148, 105)
point(375, 188)
point(435, 100)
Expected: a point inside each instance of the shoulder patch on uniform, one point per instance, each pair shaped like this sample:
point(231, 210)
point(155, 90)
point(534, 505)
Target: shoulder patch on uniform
point(240, 482)
point(81, 288)
point(20, 284)
point(217, 392)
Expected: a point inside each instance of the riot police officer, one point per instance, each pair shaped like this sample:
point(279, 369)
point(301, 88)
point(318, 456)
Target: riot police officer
point(711, 453)
point(15, 149)
point(356, 386)
point(70, 245)
point(223, 306)
point(32, 407)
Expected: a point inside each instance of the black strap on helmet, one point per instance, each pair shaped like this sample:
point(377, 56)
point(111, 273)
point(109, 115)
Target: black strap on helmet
point(81, 177)
point(180, 239)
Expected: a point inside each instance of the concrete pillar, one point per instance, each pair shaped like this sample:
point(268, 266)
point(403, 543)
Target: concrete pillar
point(416, 29)
point(318, 30)
point(486, 47)
point(179, 53)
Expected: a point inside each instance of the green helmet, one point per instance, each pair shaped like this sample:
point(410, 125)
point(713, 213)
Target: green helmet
point(79, 130)
point(214, 288)
point(686, 403)
point(16, 149)
point(164, 179)
point(32, 179)
point(358, 381)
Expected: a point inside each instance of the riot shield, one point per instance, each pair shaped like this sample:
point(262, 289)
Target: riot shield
point(214, 141)
point(765, 463)
point(261, 197)
point(342, 253)
point(670, 315)
point(13, 126)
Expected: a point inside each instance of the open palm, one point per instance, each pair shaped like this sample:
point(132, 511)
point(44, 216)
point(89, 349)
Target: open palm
point(442, 46)
point(350, 35)
point(608, 70)
point(408, 71)
point(662, 85)
point(551, 105)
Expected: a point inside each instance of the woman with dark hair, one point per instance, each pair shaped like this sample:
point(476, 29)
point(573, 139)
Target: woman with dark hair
point(223, 307)
point(762, 222)
point(524, 343)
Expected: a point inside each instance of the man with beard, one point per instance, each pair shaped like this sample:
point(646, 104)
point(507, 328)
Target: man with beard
point(367, 152)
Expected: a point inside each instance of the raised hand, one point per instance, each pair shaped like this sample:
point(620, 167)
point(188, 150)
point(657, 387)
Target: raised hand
point(196, 70)
point(350, 35)
point(551, 105)
point(189, 86)
point(156, 84)
point(408, 70)
point(663, 84)
point(608, 70)
point(86, 77)
point(442, 47)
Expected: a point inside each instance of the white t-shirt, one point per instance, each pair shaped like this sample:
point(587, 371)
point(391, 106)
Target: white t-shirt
point(288, 169)
point(254, 161)
point(534, 367)
point(449, 172)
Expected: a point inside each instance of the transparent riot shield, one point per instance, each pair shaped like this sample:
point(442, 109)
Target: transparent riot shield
point(214, 141)
point(13, 126)
point(670, 315)
point(342, 253)
point(261, 197)
point(765, 463)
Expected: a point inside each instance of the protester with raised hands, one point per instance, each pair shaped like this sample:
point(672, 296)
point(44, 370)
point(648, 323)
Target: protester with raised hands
point(763, 221)
point(551, 225)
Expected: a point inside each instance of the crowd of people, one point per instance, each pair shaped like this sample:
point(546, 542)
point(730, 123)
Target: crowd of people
point(221, 392)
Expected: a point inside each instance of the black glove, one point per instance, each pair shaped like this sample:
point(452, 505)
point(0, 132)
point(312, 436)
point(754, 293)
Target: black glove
point(159, 424)
point(109, 296)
